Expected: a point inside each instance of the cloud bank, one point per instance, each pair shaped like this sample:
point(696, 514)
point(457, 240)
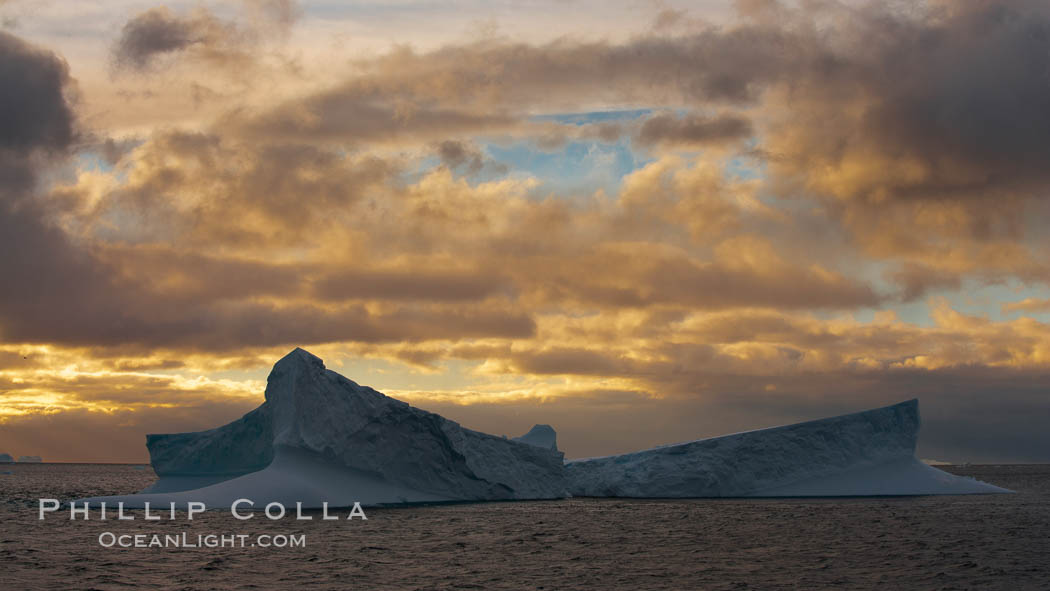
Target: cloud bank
point(796, 213)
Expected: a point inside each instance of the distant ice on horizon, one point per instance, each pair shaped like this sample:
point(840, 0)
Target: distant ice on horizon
point(29, 459)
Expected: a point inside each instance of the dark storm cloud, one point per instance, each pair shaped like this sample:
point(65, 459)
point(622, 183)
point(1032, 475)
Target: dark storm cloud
point(205, 188)
point(159, 32)
point(339, 118)
point(47, 279)
point(411, 285)
point(150, 320)
point(156, 32)
point(35, 112)
point(490, 86)
point(179, 276)
point(41, 268)
point(934, 116)
point(456, 153)
point(36, 124)
point(693, 129)
point(977, 92)
point(947, 101)
point(618, 280)
point(60, 291)
point(563, 360)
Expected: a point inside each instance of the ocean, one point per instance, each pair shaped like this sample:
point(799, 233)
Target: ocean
point(945, 542)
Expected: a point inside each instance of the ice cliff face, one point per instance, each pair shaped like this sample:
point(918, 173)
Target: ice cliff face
point(243, 446)
point(865, 453)
point(315, 411)
point(6, 458)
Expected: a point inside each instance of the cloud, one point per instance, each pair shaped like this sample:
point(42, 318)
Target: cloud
point(1031, 305)
point(41, 266)
point(205, 188)
point(639, 275)
point(789, 170)
point(158, 32)
point(149, 320)
point(361, 118)
point(921, 130)
point(493, 86)
point(37, 112)
point(837, 105)
point(283, 13)
point(915, 280)
point(917, 131)
point(432, 285)
point(200, 242)
point(455, 154)
point(693, 130)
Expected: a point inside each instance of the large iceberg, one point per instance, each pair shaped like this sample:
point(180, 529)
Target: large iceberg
point(321, 438)
point(5, 458)
point(861, 454)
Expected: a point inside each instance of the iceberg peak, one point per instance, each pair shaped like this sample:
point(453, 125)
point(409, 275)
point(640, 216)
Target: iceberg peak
point(541, 436)
point(319, 427)
point(299, 357)
point(297, 361)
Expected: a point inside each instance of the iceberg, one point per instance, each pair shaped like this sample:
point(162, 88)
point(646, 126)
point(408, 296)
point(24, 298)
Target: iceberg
point(30, 459)
point(6, 458)
point(321, 438)
point(867, 453)
point(541, 436)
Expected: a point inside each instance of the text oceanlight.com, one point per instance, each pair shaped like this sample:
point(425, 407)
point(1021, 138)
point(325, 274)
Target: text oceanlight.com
point(184, 540)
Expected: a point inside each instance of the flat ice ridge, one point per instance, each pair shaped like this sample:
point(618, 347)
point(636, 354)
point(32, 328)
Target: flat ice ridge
point(860, 454)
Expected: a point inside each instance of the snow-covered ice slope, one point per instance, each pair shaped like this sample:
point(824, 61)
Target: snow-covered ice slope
point(321, 437)
point(865, 453)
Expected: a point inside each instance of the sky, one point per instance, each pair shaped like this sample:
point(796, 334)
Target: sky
point(641, 222)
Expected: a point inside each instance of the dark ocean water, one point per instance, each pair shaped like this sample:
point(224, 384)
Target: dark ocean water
point(965, 542)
